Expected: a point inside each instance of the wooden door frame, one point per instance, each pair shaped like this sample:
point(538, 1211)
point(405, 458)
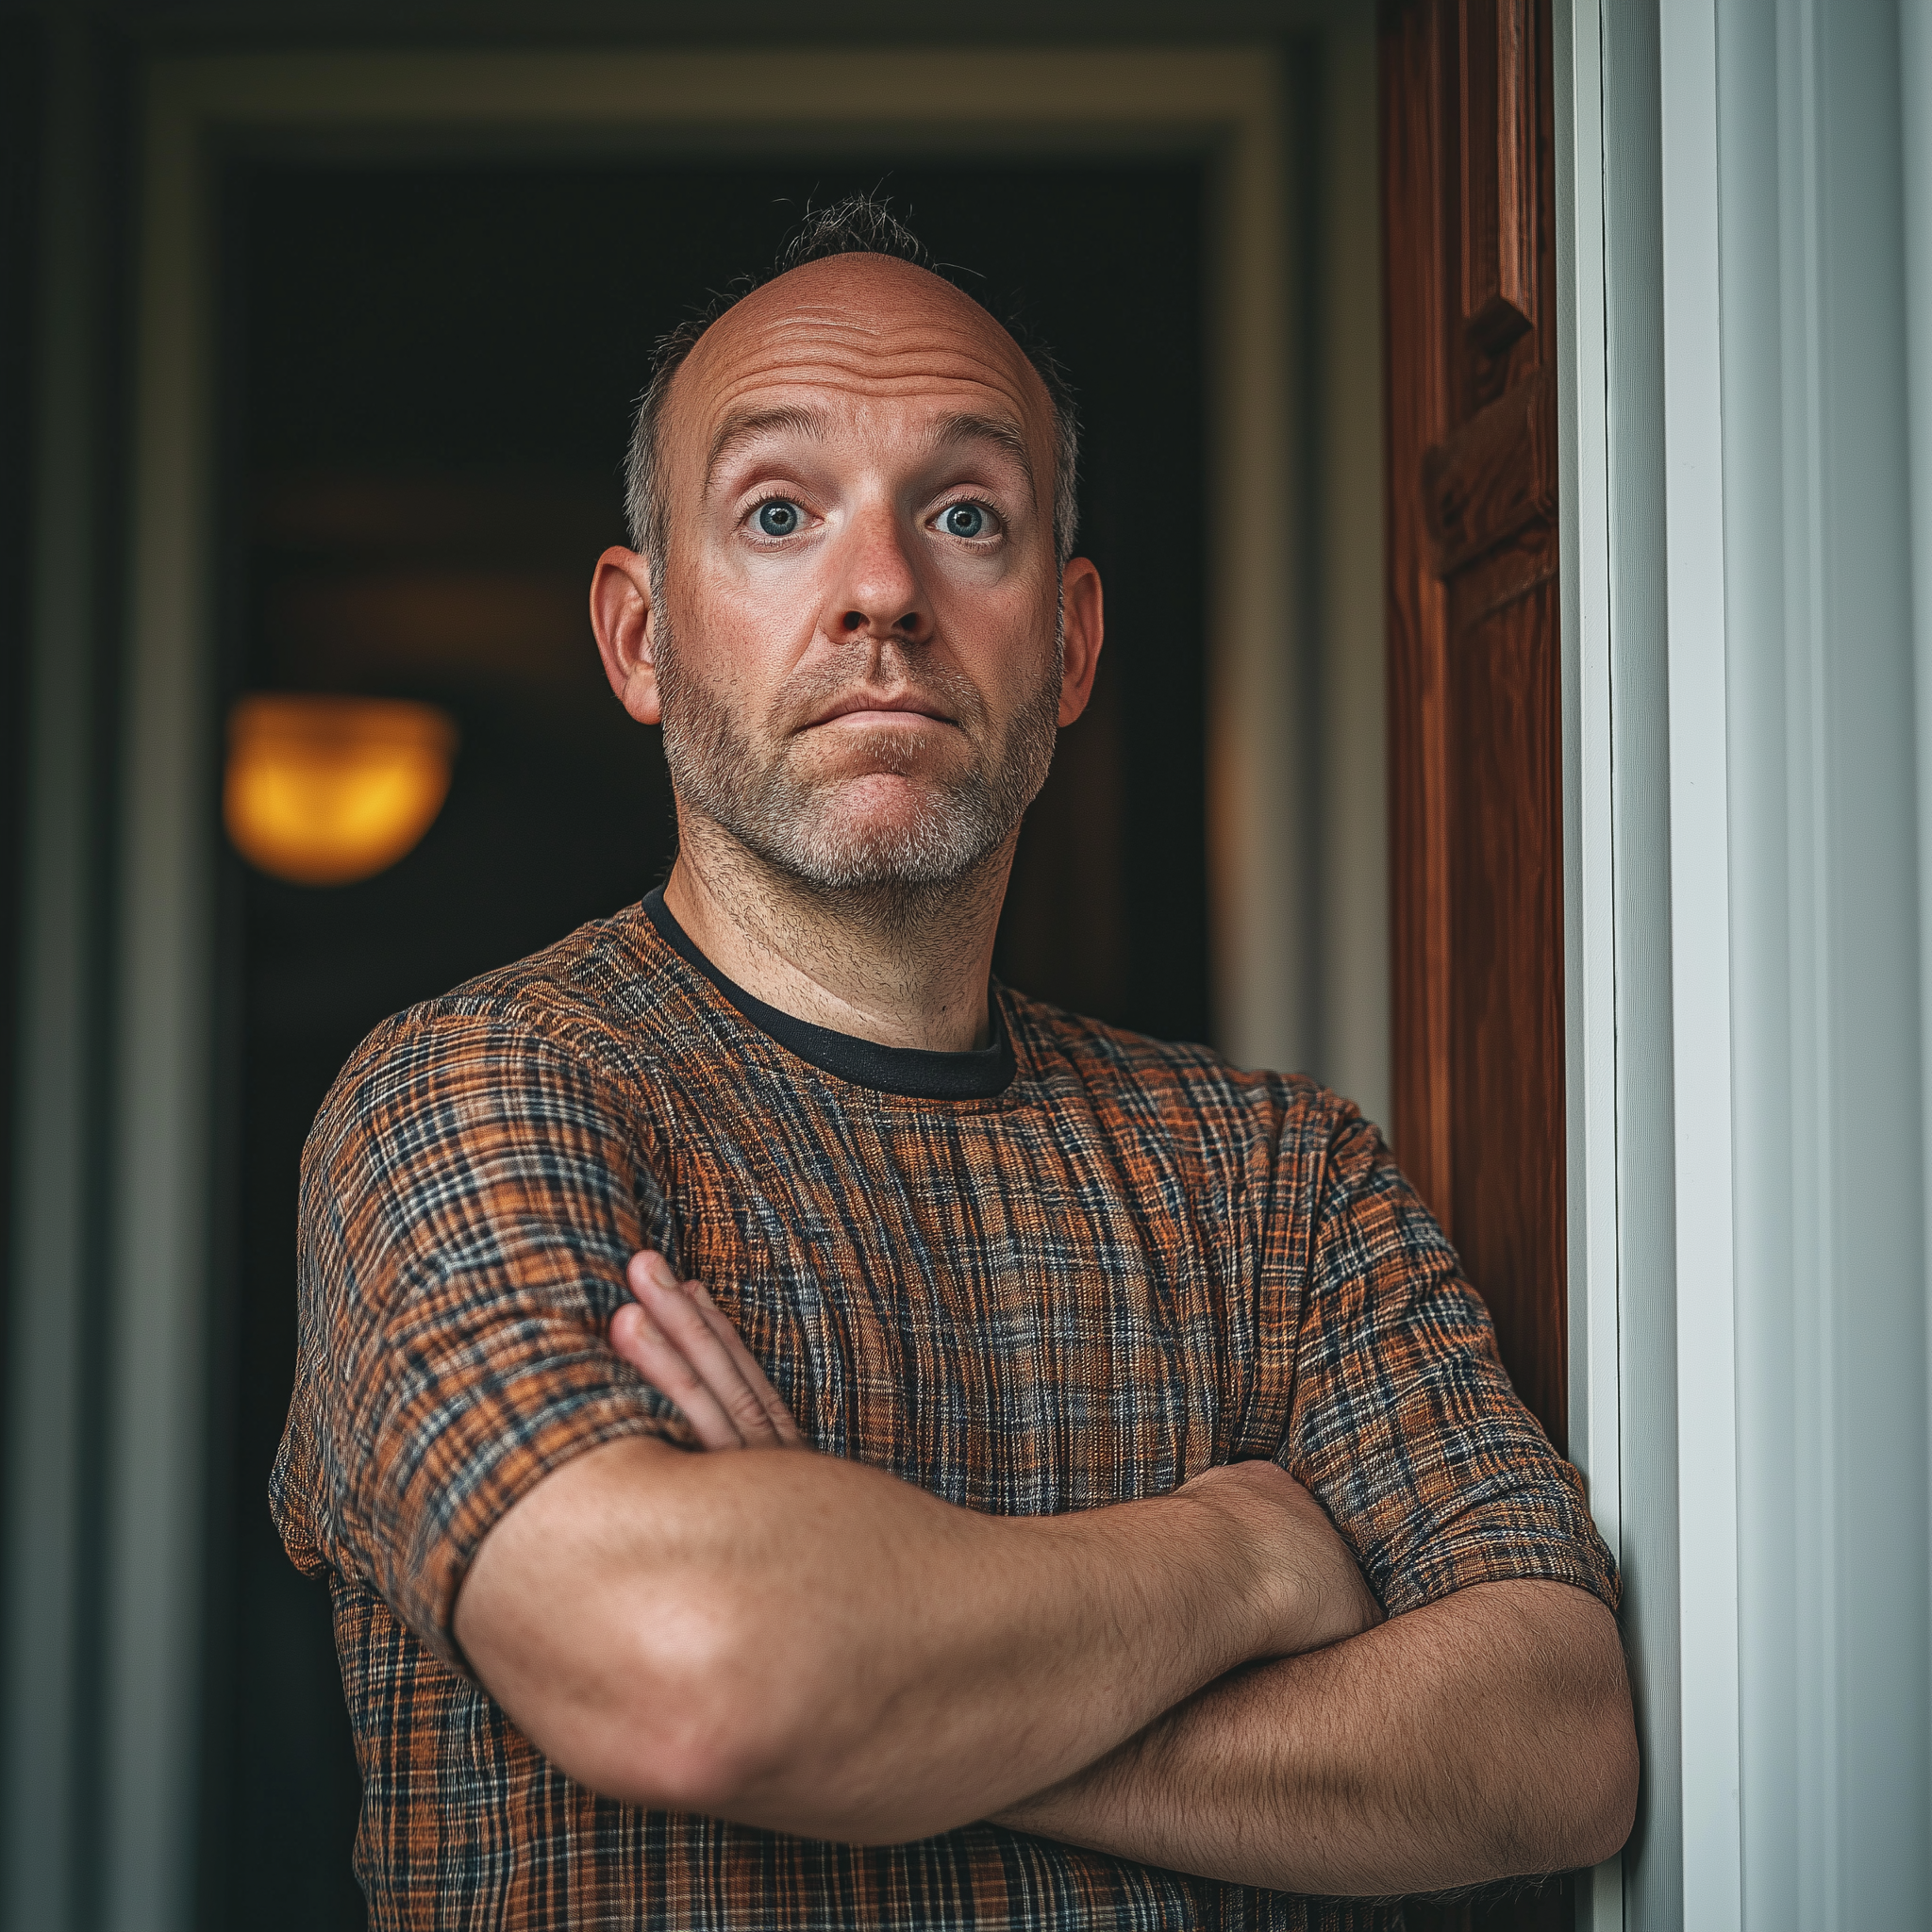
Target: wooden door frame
point(1597, 829)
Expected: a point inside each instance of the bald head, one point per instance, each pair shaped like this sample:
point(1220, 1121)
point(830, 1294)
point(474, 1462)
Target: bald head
point(852, 305)
point(867, 321)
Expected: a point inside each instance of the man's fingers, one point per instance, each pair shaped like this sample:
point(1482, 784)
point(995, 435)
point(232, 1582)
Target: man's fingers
point(645, 1266)
point(755, 1377)
point(646, 1348)
point(684, 1318)
point(683, 1322)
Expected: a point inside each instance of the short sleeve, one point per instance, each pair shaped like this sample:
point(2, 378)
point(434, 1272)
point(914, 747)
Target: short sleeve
point(471, 1194)
point(1403, 1422)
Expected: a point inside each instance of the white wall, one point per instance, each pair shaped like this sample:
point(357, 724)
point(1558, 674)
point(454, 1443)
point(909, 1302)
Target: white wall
point(1761, 375)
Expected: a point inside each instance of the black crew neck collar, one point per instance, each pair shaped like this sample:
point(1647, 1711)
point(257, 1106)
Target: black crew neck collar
point(909, 1072)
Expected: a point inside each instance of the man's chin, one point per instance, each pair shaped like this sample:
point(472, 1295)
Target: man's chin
point(913, 836)
point(863, 789)
point(882, 804)
point(884, 849)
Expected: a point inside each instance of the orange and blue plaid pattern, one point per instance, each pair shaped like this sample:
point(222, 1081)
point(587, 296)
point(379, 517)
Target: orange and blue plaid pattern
point(1131, 1263)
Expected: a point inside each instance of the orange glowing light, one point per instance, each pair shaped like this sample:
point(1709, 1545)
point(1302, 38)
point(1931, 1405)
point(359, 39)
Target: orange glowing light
point(325, 790)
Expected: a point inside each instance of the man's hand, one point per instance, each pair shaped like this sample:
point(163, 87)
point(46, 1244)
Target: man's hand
point(674, 1335)
point(1321, 1595)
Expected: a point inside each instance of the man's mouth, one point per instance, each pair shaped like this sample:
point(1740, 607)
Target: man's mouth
point(871, 708)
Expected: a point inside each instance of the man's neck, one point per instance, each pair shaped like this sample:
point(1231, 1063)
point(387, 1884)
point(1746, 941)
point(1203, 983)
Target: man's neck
point(915, 976)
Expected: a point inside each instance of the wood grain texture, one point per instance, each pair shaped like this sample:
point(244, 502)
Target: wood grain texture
point(1474, 664)
point(1494, 476)
point(1475, 718)
point(1506, 928)
point(1474, 688)
point(1518, 230)
point(1497, 169)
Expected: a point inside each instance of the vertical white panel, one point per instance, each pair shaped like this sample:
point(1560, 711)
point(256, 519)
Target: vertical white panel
point(1856, 640)
point(1770, 1459)
point(1700, 978)
point(1802, 1524)
point(1915, 76)
point(1638, 679)
point(1589, 981)
point(1828, 1015)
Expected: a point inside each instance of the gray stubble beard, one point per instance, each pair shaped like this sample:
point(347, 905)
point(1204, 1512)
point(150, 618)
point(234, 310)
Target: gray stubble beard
point(892, 874)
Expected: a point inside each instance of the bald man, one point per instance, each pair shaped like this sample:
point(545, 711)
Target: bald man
point(1145, 1532)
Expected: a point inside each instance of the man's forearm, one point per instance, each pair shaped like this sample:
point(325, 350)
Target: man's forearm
point(799, 1642)
point(1484, 1736)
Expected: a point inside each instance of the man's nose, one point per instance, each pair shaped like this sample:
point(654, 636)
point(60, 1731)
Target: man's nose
point(876, 590)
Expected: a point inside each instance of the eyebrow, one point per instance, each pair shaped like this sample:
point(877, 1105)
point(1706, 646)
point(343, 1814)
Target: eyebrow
point(999, 431)
point(748, 425)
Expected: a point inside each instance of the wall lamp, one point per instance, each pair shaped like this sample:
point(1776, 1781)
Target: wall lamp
point(327, 791)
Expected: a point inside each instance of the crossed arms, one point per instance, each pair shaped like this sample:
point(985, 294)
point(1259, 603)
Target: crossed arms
point(1200, 1681)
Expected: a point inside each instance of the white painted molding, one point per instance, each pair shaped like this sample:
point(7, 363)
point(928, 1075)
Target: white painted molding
point(1699, 957)
point(1590, 967)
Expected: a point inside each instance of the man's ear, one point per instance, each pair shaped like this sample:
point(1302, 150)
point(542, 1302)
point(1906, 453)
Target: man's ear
point(1082, 632)
point(620, 614)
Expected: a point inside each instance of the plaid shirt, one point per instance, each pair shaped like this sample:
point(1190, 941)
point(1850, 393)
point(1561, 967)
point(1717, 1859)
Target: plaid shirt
point(1128, 1264)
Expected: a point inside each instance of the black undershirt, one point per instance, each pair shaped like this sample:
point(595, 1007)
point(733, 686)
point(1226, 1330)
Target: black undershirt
point(908, 1070)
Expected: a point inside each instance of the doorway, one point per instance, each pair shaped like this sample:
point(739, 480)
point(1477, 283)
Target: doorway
point(429, 372)
point(1289, 615)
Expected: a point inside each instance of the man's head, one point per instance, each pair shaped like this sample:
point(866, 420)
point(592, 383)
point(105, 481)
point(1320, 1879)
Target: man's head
point(849, 602)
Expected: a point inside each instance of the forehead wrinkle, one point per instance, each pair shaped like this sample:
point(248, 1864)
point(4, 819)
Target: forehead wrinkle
point(804, 341)
point(843, 318)
point(787, 359)
point(752, 399)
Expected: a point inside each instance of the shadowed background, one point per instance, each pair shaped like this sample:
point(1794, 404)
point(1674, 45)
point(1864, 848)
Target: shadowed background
point(430, 372)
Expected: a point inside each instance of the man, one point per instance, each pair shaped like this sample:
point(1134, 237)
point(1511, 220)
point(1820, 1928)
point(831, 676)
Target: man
point(1151, 1537)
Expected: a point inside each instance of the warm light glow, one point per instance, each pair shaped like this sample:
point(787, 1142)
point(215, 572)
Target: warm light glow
point(324, 790)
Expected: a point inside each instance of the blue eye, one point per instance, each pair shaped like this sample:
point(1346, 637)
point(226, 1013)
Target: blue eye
point(964, 519)
point(779, 518)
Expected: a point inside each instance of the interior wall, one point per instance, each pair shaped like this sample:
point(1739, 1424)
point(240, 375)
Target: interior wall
point(1758, 196)
point(1350, 1048)
point(1833, 1691)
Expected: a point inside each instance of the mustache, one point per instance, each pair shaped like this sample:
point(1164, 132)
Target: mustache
point(890, 673)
